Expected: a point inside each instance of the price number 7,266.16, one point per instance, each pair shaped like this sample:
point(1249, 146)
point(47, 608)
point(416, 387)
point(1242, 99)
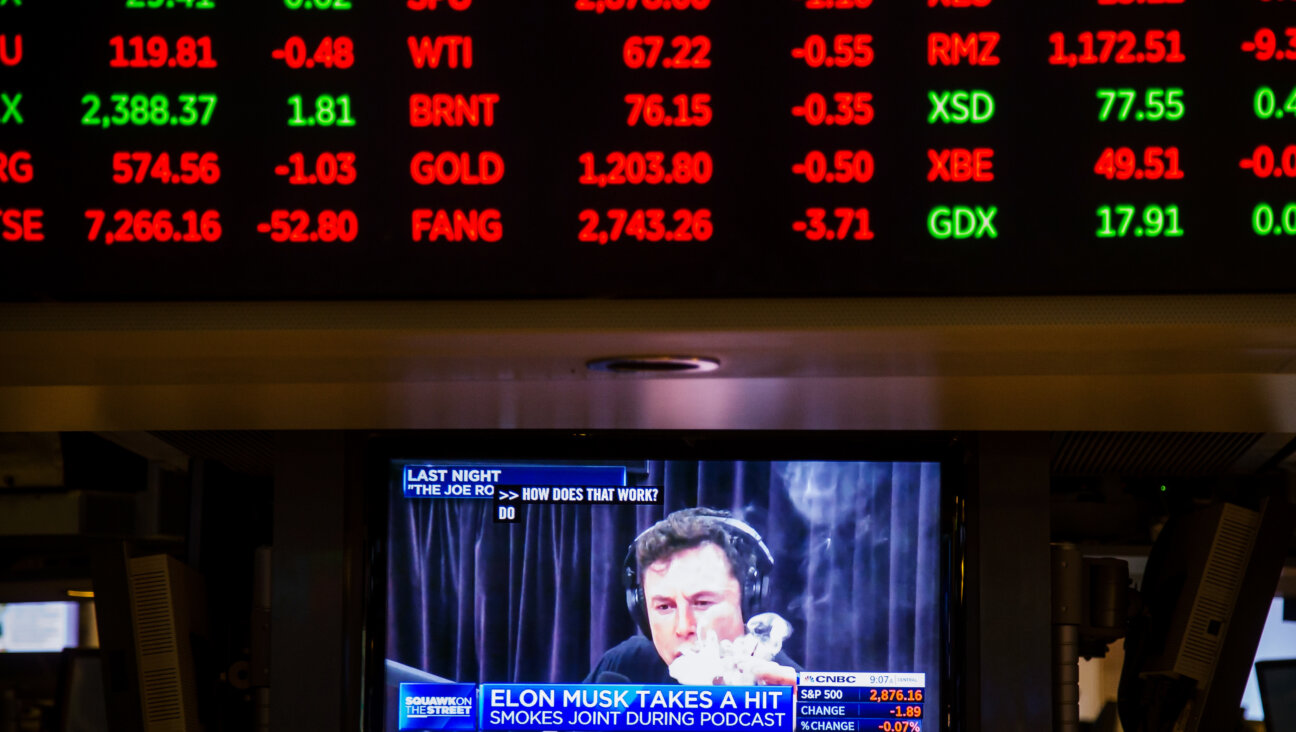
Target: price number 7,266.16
point(154, 226)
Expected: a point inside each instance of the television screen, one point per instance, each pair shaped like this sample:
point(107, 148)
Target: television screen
point(664, 594)
point(38, 627)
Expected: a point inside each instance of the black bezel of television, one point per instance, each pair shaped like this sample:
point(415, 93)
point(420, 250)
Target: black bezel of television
point(945, 449)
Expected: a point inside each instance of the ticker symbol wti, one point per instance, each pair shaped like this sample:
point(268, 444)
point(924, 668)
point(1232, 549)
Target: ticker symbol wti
point(11, 51)
point(455, 51)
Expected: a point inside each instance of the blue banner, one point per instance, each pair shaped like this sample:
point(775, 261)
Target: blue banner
point(479, 481)
point(623, 708)
point(438, 706)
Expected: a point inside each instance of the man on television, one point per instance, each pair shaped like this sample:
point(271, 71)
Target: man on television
point(695, 577)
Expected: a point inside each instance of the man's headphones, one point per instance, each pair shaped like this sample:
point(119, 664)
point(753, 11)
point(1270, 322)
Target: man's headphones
point(753, 577)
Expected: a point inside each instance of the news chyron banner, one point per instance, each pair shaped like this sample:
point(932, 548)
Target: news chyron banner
point(512, 487)
point(820, 702)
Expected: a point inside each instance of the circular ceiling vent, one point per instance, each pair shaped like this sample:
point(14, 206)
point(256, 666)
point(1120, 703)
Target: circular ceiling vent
point(654, 365)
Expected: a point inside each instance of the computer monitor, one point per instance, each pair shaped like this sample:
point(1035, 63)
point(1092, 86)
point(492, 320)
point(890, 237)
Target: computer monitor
point(533, 592)
point(38, 627)
point(1278, 694)
point(1210, 578)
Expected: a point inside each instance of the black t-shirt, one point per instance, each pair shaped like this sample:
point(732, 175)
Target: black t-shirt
point(636, 658)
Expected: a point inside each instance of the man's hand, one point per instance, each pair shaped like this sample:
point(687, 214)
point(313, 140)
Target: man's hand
point(773, 674)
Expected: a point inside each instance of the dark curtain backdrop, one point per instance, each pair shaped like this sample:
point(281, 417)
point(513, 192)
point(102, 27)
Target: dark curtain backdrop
point(856, 547)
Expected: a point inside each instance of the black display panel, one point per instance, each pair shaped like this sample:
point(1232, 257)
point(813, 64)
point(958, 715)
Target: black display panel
point(429, 149)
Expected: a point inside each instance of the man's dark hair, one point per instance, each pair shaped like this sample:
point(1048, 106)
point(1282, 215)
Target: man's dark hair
point(686, 529)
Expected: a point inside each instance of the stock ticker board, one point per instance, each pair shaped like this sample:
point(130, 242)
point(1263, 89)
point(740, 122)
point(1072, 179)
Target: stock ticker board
point(435, 149)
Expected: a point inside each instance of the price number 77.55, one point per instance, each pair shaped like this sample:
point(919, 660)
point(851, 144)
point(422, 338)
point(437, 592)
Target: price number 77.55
point(1155, 105)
